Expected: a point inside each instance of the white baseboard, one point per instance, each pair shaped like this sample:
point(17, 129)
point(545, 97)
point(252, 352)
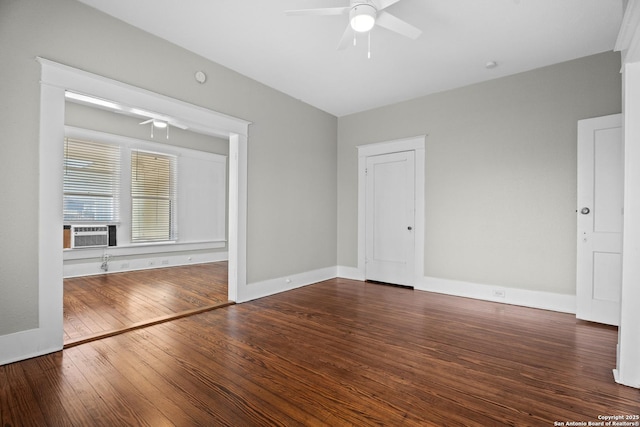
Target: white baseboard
point(274, 286)
point(527, 298)
point(617, 376)
point(27, 344)
point(352, 273)
point(523, 297)
point(91, 267)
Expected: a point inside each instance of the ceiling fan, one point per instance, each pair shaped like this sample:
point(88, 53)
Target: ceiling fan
point(161, 123)
point(363, 15)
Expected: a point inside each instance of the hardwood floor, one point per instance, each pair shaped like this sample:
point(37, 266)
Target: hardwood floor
point(335, 353)
point(107, 304)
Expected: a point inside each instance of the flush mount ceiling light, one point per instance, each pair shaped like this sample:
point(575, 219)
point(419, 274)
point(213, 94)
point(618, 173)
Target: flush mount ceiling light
point(362, 17)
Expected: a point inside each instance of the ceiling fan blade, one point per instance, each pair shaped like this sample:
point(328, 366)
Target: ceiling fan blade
point(145, 122)
point(383, 4)
point(347, 36)
point(397, 25)
point(325, 11)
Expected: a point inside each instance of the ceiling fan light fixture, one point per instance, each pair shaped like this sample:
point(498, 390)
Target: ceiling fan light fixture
point(362, 17)
point(159, 124)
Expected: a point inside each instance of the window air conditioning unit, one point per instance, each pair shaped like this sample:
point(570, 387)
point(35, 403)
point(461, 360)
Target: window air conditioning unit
point(89, 236)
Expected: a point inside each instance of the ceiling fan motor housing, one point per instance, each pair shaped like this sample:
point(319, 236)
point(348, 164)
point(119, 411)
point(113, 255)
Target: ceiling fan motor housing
point(362, 17)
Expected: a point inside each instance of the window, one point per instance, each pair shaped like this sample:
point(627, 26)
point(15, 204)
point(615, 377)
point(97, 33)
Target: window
point(153, 193)
point(153, 197)
point(91, 179)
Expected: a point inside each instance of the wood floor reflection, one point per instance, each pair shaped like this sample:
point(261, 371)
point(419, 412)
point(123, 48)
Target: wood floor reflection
point(107, 304)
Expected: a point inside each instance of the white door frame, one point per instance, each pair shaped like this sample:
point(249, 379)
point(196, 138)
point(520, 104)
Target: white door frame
point(417, 145)
point(628, 43)
point(56, 79)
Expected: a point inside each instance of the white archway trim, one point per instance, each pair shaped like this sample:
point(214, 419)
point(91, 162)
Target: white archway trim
point(416, 144)
point(57, 78)
point(237, 244)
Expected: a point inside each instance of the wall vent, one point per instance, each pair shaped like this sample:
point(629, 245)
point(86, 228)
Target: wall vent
point(89, 236)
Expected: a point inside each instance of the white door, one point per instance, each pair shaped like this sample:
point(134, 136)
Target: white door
point(600, 204)
point(390, 212)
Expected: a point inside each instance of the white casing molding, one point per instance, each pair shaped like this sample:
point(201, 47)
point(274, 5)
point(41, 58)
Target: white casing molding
point(237, 231)
point(56, 79)
point(627, 369)
point(628, 41)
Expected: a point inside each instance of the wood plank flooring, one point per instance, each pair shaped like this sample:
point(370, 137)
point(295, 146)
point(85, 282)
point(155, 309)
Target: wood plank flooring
point(336, 353)
point(98, 306)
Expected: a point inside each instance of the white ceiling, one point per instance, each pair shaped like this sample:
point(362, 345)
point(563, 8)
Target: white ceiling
point(297, 54)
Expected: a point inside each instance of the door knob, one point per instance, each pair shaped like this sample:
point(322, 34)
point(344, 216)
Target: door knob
point(409, 228)
point(585, 211)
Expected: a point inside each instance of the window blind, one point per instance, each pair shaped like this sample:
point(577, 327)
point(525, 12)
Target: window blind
point(91, 181)
point(153, 197)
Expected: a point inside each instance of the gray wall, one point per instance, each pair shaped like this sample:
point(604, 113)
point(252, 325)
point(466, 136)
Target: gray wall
point(500, 187)
point(292, 146)
point(501, 160)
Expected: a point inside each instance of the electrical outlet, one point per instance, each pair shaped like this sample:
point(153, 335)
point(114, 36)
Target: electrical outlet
point(165, 262)
point(499, 293)
point(124, 265)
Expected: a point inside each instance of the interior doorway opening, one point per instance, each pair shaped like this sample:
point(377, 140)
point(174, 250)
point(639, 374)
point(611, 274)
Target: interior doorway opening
point(125, 218)
point(56, 79)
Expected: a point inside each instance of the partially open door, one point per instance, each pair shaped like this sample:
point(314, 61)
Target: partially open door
point(600, 212)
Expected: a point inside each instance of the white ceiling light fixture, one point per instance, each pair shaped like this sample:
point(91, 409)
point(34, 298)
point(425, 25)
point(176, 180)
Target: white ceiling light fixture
point(362, 17)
